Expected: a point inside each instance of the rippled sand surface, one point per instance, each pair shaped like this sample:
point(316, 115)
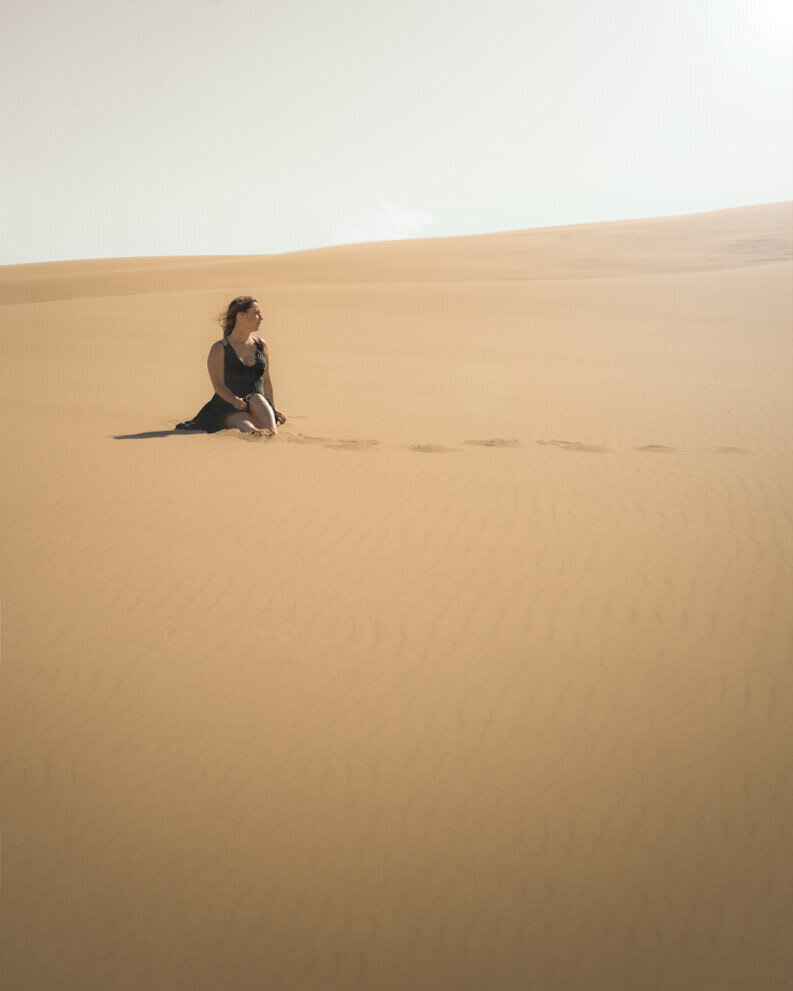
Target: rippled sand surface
point(477, 676)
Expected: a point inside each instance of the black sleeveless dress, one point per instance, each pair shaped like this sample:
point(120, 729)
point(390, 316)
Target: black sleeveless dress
point(243, 380)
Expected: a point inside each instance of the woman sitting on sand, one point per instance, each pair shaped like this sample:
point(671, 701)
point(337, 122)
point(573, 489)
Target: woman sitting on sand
point(239, 368)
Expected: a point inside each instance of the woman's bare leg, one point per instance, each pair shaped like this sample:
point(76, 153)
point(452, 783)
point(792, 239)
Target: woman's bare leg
point(261, 412)
point(242, 421)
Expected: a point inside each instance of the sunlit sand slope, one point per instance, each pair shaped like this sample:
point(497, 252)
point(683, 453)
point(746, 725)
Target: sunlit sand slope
point(476, 676)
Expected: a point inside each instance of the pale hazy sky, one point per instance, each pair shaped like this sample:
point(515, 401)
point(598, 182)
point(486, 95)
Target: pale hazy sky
point(170, 127)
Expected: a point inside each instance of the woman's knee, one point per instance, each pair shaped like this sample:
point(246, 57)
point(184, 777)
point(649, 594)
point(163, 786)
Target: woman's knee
point(262, 411)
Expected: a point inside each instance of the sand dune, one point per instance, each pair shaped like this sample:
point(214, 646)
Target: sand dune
point(476, 676)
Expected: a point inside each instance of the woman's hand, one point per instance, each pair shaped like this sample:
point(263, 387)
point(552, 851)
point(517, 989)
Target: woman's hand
point(240, 403)
point(279, 416)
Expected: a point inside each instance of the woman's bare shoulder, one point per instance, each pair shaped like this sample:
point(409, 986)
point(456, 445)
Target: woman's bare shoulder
point(215, 356)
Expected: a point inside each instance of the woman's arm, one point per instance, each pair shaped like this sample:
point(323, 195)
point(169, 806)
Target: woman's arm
point(267, 382)
point(215, 367)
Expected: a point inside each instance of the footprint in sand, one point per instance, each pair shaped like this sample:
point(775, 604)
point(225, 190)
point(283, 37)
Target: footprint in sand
point(430, 448)
point(305, 439)
point(493, 442)
point(730, 450)
point(574, 445)
point(334, 444)
point(352, 445)
point(657, 449)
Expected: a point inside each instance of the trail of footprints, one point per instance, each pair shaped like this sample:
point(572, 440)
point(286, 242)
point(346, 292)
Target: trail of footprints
point(369, 444)
point(576, 447)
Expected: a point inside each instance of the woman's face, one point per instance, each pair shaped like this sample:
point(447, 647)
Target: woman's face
point(250, 318)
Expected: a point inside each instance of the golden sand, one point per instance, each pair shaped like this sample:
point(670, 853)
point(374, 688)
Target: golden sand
point(478, 676)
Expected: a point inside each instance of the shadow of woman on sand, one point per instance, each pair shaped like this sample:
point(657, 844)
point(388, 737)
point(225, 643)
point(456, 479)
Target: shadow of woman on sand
point(156, 433)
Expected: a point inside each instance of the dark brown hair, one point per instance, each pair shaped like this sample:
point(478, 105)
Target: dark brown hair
point(239, 305)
